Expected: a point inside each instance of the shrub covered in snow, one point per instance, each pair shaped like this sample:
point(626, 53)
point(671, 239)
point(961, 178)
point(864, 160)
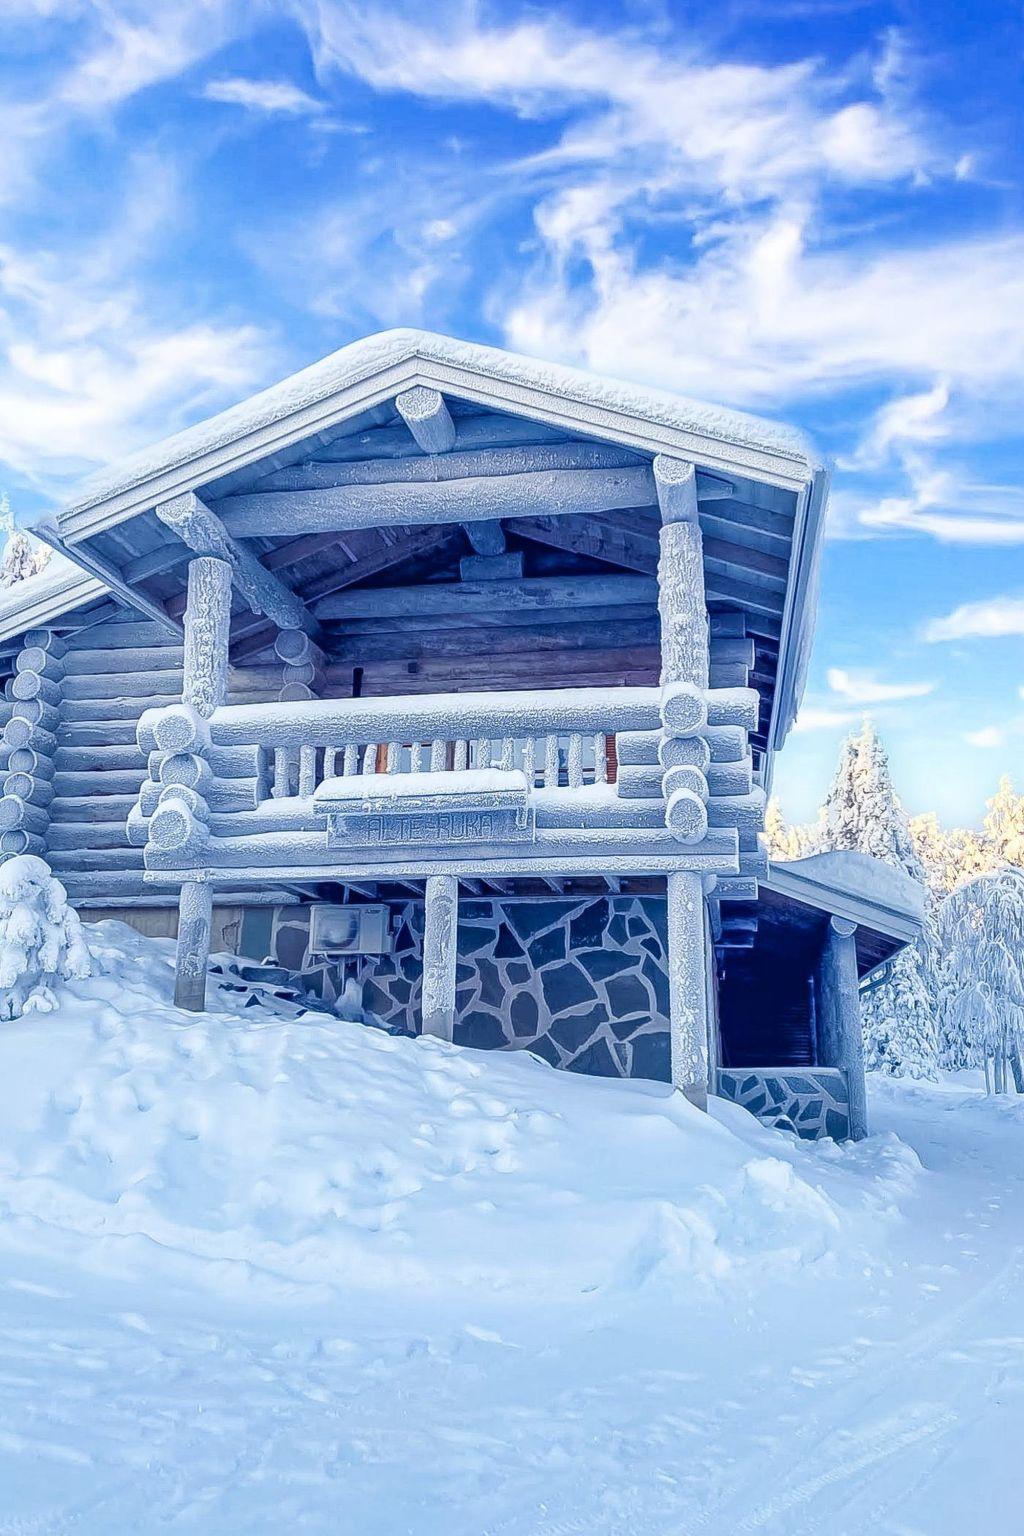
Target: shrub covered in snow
point(41, 940)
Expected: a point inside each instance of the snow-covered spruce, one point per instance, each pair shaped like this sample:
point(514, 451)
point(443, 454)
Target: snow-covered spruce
point(41, 940)
point(981, 928)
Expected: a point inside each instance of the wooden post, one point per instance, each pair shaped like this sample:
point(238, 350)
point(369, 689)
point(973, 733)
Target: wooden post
point(682, 608)
point(207, 621)
point(204, 686)
point(195, 916)
point(440, 944)
point(840, 1042)
point(687, 984)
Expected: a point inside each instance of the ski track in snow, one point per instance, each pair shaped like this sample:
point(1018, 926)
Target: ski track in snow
point(682, 1328)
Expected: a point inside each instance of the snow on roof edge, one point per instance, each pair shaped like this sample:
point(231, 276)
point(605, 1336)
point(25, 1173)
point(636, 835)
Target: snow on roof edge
point(372, 353)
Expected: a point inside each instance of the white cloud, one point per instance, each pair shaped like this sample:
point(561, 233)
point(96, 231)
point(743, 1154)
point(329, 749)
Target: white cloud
point(990, 618)
point(812, 718)
point(864, 688)
point(988, 736)
point(266, 96)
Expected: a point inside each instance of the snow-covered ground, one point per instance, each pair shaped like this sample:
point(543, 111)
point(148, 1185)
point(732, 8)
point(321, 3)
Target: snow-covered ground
point(262, 1274)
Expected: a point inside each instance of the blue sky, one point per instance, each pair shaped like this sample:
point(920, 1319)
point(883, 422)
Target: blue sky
point(812, 210)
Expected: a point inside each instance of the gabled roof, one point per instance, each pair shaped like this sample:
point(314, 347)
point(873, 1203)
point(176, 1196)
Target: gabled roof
point(373, 370)
point(41, 600)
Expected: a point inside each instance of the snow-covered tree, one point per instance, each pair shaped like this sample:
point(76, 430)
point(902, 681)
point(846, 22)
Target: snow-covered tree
point(950, 857)
point(41, 939)
point(982, 928)
point(783, 840)
point(862, 813)
point(1004, 824)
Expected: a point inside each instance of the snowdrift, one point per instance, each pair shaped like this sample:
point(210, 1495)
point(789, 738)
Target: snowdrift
point(239, 1149)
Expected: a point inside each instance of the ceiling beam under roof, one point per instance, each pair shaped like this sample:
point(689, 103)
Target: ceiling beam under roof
point(538, 595)
point(477, 498)
point(612, 545)
point(428, 418)
point(202, 530)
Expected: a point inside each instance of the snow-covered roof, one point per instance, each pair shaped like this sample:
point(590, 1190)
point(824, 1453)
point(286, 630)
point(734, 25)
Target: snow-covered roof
point(856, 886)
point(39, 600)
point(372, 370)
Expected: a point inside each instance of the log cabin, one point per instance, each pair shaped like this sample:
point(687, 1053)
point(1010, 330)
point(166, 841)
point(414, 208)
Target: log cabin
point(458, 679)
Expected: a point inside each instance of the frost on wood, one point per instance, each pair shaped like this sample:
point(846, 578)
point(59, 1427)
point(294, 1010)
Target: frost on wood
point(207, 621)
point(681, 605)
point(687, 985)
point(41, 939)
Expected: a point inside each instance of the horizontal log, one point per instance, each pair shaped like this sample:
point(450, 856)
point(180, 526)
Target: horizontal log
point(46, 640)
point(133, 632)
point(732, 650)
point(109, 808)
point(173, 829)
point(740, 811)
point(84, 835)
point(132, 684)
point(728, 675)
point(98, 759)
point(228, 796)
point(731, 778)
point(36, 712)
point(16, 812)
point(25, 733)
point(535, 595)
point(176, 728)
point(637, 747)
point(636, 782)
point(36, 658)
point(734, 706)
point(448, 717)
point(395, 443)
point(483, 670)
point(21, 841)
point(119, 781)
point(95, 711)
point(81, 859)
point(225, 762)
point(736, 888)
point(279, 852)
point(115, 663)
point(32, 790)
point(472, 499)
point(459, 465)
point(96, 733)
point(26, 760)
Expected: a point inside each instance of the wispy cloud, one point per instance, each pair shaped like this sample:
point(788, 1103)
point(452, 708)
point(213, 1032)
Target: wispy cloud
point(989, 736)
point(989, 618)
point(865, 688)
point(268, 97)
point(815, 718)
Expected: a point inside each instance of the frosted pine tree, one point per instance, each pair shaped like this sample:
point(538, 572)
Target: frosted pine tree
point(862, 813)
point(23, 556)
point(782, 840)
point(1004, 824)
point(982, 926)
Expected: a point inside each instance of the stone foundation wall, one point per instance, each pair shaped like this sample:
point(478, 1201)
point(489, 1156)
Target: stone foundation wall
point(581, 983)
point(813, 1101)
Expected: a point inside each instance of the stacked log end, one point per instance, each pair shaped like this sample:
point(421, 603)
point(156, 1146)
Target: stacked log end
point(31, 716)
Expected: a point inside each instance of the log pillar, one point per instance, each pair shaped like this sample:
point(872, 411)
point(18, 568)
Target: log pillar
point(682, 606)
point(682, 609)
point(204, 686)
point(440, 947)
point(840, 1042)
point(195, 918)
point(687, 985)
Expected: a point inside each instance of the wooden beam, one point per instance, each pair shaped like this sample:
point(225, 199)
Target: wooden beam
point(428, 418)
point(675, 481)
point(83, 555)
point(318, 474)
point(537, 640)
point(201, 529)
point(533, 596)
point(473, 499)
point(611, 545)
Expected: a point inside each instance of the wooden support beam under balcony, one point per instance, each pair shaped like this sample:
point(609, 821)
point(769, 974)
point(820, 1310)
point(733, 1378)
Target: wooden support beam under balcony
point(538, 596)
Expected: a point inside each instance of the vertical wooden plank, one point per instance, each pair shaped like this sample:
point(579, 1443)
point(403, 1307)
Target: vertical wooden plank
point(551, 762)
point(840, 1041)
point(600, 759)
point(682, 605)
point(575, 760)
point(440, 945)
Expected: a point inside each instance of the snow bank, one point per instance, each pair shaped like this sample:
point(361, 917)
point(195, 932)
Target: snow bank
point(242, 1149)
